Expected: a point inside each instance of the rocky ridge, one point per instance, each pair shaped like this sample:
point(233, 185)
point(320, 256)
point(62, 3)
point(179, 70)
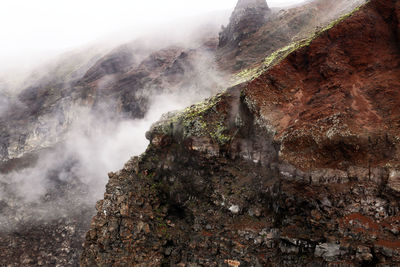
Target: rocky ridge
point(253, 35)
point(297, 166)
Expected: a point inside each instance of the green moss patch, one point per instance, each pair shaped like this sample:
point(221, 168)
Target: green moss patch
point(199, 120)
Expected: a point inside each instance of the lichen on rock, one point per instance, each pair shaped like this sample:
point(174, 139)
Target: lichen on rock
point(205, 119)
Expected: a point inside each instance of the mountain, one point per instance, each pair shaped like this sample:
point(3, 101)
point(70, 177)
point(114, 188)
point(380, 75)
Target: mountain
point(299, 165)
point(84, 114)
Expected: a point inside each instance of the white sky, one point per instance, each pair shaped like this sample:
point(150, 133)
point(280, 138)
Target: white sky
point(34, 27)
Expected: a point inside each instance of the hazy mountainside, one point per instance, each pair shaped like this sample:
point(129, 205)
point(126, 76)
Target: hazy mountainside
point(117, 80)
point(247, 41)
point(297, 166)
point(86, 114)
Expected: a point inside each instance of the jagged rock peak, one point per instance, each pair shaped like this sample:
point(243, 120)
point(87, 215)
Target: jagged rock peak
point(248, 17)
point(251, 4)
point(256, 10)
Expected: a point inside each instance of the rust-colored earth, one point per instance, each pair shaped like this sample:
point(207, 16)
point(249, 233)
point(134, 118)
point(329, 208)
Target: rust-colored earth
point(337, 99)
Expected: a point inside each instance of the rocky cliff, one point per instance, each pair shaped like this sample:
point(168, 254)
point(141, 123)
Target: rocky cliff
point(299, 165)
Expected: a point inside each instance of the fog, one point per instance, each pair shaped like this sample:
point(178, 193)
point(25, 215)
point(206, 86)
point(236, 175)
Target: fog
point(34, 31)
point(73, 175)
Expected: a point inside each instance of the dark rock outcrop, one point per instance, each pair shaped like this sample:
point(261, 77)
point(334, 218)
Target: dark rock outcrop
point(246, 19)
point(297, 166)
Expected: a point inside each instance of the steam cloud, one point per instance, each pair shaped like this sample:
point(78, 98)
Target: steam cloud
point(72, 175)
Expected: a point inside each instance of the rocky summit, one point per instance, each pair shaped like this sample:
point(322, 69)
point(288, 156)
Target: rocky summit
point(247, 18)
point(298, 165)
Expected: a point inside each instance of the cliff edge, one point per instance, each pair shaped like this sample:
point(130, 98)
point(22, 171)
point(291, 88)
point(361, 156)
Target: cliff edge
point(299, 165)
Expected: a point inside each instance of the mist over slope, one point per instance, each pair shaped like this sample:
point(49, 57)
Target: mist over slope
point(77, 123)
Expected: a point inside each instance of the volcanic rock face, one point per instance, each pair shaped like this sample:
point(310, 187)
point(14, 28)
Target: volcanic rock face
point(297, 166)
